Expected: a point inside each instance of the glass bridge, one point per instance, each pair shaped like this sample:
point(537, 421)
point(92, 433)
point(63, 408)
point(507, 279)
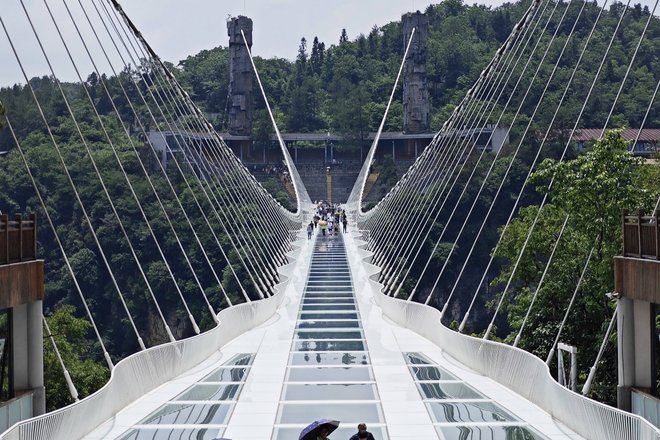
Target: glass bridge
point(329, 352)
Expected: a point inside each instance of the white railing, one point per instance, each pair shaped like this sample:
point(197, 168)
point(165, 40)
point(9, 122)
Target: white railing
point(142, 372)
point(514, 368)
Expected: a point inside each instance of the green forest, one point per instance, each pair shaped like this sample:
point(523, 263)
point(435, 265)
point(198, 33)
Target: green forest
point(341, 87)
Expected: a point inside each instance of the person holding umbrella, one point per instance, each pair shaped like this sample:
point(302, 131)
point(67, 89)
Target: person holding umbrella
point(319, 430)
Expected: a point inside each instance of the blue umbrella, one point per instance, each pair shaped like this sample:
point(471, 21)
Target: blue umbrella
point(311, 432)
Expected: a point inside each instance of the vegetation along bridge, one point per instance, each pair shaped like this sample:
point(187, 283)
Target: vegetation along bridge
point(490, 294)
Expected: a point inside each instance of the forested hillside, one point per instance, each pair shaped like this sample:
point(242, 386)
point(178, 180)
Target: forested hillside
point(343, 85)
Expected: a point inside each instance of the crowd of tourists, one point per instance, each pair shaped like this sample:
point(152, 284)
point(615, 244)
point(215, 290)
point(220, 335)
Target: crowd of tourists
point(329, 218)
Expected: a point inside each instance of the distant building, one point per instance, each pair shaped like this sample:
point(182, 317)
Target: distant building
point(648, 143)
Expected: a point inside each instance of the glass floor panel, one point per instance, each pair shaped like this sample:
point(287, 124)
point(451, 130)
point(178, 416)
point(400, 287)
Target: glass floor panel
point(343, 432)
point(334, 295)
point(320, 271)
point(328, 324)
point(235, 374)
point(431, 373)
point(329, 301)
point(330, 374)
point(334, 358)
point(316, 316)
point(488, 433)
point(468, 412)
point(322, 307)
point(189, 414)
point(439, 390)
point(329, 282)
point(328, 346)
point(356, 391)
point(210, 392)
point(301, 334)
point(326, 288)
point(348, 413)
point(173, 433)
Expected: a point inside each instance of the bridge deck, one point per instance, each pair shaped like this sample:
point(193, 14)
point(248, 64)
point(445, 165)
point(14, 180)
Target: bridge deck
point(330, 353)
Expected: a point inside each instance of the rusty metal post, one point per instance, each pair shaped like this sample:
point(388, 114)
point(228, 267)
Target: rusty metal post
point(33, 217)
point(4, 219)
point(623, 231)
point(657, 235)
point(19, 220)
point(639, 232)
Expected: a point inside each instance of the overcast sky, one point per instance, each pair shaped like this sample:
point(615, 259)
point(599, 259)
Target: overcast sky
point(179, 28)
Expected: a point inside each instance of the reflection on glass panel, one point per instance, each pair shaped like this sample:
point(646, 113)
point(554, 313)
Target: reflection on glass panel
point(329, 374)
point(348, 413)
point(301, 334)
point(330, 392)
point(465, 412)
point(227, 375)
point(445, 390)
point(172, 433)
point(328, 346)
point(488, 433)
point(241, 359)
point(336, 358)
point(328, 324)
point(306, 315)
point(210, 392)
point(432, 373)
point(340, 433)
point(189, 414)
point(321, 307)
point(417, 358)
point(329, 300)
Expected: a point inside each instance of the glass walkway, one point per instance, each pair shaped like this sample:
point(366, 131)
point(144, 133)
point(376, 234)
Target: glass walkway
point(330, 353)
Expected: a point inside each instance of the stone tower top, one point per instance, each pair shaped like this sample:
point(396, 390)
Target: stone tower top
point(234, 27)
point(416, 104)
point(241, 107)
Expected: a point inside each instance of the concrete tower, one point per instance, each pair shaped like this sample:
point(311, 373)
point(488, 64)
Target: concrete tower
point(241, 106)
point(416, 106)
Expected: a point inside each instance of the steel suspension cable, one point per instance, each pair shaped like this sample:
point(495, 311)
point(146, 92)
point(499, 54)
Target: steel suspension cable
point(492, 165)
point(524, 185)
point(145, 132)
point(565, 149)
point(89, 153)
point(179, 90)
point(144, 170)
point(37, 191)
point(413, 243)
point(563, 154)
point(88, 221)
